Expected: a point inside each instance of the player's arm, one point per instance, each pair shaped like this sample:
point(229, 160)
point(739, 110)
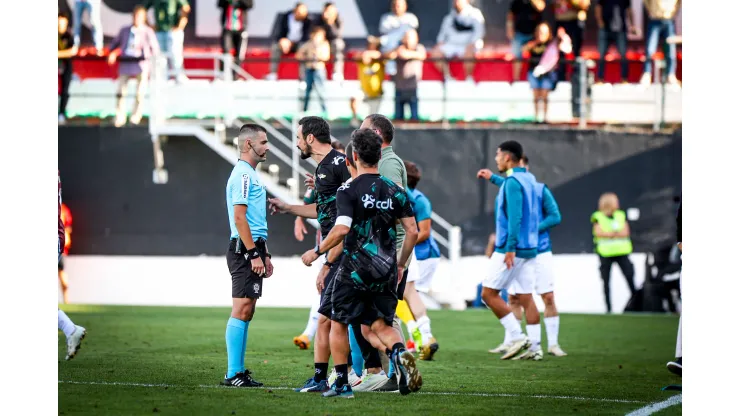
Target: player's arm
point(513, 194)
point(345, 209)
point(488, 175)
point(624, 232)
point(491, 245)
point(242, 226)
point(240, 199)
point(551, 210)
point(409, 225)
point(423, 211)
point(305, 211)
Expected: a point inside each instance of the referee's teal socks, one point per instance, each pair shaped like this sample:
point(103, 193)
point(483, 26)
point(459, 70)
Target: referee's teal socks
point(236, 345)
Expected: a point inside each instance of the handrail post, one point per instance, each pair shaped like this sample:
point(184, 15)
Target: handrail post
point(582, 80)
point(454, 253)
point(659, 94)
point(228, 77)
point(295, 165)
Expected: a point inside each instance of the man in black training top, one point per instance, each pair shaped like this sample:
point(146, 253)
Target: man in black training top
point(365, 285)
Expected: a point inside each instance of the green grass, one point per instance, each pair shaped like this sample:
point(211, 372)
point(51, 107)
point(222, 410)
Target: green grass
point(610, 357)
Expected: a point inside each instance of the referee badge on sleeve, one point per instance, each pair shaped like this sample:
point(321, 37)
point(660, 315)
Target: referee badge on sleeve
point(245, 185)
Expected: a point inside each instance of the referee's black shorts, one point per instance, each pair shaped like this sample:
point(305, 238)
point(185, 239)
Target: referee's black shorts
point(244, 282)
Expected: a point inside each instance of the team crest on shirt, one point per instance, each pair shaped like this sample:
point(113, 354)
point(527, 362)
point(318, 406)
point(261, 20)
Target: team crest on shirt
point(321, 176)
point(344, 186)
point(337, 160)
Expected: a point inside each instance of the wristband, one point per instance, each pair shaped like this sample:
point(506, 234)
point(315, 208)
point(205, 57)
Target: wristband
point(253, 253)
point(268, 255)
point(318, 250)
point(328, 264)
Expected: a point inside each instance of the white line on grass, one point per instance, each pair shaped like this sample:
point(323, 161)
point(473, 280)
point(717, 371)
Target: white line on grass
point(655, 407)
point(431, 393)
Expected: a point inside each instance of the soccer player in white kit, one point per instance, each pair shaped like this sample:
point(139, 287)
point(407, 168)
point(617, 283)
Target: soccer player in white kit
point(545, 276)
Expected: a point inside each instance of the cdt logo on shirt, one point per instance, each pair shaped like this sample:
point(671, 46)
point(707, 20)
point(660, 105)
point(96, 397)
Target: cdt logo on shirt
point(368, 201)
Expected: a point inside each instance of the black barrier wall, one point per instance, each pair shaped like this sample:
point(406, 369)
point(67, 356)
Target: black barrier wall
point(107, 183)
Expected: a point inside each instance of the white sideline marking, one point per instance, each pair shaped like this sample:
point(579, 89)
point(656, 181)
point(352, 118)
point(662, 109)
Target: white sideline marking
point(431, 393)
point(654, 407)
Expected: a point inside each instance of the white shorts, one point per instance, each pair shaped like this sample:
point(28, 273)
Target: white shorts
point(544, 281)
point(500, 278)
point(452, 50)
point(423, 279)
point(413, 269)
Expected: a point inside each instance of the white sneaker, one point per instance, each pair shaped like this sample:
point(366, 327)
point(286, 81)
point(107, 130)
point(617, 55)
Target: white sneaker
point(534, 355)
point(120, 120)
point(672, 80)
point(338, 76)
point(135, 119)
point(332, 377)
point(62, 119)
point(645, 79)
point(353, 378)
point(272, 76)
point(556, 351)
point(516, 347)
point(371, 382)
point(75, 341)
point(502, 348)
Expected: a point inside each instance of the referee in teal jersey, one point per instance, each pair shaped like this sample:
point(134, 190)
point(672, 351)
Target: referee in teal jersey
point(247, 257)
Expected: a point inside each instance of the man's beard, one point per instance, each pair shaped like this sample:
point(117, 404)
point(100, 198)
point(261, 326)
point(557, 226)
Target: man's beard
point(305, 155)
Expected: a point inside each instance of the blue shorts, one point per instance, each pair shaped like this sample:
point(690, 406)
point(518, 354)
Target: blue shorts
point(544, 82)
point(520, 39)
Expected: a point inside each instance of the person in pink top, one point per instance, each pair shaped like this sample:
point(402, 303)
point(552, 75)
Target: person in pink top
point(138, 44)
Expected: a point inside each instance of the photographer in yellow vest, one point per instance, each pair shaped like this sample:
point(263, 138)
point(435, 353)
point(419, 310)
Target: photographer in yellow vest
point(613, 244)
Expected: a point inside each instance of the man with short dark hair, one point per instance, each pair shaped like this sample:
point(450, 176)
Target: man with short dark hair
point(365, 285)
point(247, 257)
point(517, 238)
point(293, 29)
point(234, 28)
point(314, 141)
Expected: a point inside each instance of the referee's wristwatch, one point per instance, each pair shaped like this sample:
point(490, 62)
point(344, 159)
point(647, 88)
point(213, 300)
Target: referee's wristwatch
point(253, 253)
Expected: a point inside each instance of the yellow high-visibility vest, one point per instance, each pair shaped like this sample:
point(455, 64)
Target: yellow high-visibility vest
point(611, 247)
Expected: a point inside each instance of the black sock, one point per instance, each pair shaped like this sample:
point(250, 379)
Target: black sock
point(342, 378)
point(321, 370)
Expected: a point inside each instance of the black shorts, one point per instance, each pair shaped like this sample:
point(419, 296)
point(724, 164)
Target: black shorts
point(352, 305)
point(244, 282)
point(326, 294)
point(402, 285)
point(61, 263)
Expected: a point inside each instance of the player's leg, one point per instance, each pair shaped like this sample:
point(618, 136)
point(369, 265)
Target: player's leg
point(63, 279)
point(499, 278)
point(339, 340)
point(246, 288)
point(525, 278)
point(74, 333)
point(404, 314)
point(303, 341)
point(426, 269)
point(374, 377)
point(356, 360)
point(545, 287)
point(676, 366)
point(408, 376)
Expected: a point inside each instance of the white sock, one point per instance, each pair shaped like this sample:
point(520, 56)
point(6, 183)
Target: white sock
point(425, 326)
point(552, 326)
point(65, 324)
point(313, 320)
point(411, 327)
point(534, 332)
point(507, 338)
point(512, 326)
point(678, 340)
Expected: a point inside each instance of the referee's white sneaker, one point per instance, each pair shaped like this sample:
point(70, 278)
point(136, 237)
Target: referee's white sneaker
point(500, 349)
point(516, 346)
point(556, 351)
point(74, 342)
point(371, 382)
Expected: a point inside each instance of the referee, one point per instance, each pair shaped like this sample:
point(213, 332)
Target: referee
point(247, 257)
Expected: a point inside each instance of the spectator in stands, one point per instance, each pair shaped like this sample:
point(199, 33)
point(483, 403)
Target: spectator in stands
point(613, 244)
point(293, 29)
point(234, 28)
point(171, 17)
point(393, 26)
point(138, 44)
point(661, 25)
point(66, 49)
point(315, 53)
point(410, 56)
point(332, 24)
point(544, 52)
point(521, 22)
point(460, 36)
point(92, 7)
point(571, 16)
point(614, 18)
point(370, 73)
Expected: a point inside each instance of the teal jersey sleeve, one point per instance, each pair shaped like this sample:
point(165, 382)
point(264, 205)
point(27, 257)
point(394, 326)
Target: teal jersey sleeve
point(497, 180)
point(551, 211)
point(239, 189)
point(422, 208)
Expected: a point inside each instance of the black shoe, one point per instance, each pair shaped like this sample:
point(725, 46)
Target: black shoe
point(675, 366)
point(241, 380)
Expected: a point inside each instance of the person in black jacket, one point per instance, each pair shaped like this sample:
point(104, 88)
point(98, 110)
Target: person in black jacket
point(292, 29)
point(676, 366)
point(234, 28)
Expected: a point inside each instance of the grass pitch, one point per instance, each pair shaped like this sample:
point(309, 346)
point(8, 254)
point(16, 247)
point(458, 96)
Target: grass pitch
point(145, 360)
